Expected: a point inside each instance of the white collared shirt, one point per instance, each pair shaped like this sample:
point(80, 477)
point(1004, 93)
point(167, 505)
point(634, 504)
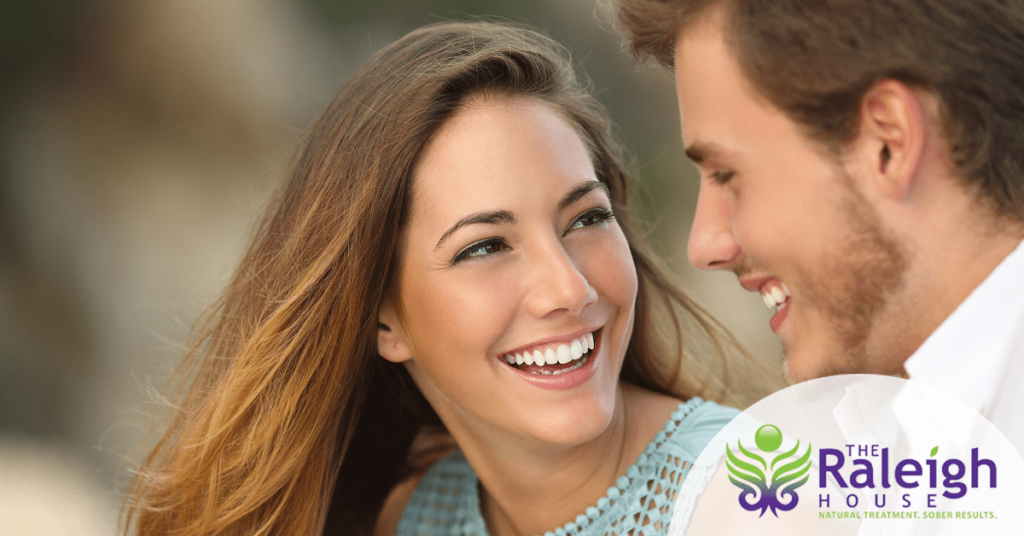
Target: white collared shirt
point(977, 353)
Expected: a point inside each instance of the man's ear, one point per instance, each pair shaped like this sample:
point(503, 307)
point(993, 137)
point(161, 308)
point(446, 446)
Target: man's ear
point(392, 342)
point(891, 137)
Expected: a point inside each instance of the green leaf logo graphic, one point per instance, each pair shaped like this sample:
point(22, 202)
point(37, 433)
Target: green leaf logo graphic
point(750, 472)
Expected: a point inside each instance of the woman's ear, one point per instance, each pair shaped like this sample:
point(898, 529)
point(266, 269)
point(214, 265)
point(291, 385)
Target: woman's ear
point(392, 343)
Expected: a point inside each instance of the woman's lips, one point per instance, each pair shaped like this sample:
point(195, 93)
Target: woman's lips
point(575, 369)
point(552, 358)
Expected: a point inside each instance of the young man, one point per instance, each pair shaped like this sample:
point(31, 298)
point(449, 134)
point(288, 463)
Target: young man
point(862, 168)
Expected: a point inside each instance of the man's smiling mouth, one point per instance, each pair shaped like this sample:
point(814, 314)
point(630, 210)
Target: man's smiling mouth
point(775, 294)
point(556, 358)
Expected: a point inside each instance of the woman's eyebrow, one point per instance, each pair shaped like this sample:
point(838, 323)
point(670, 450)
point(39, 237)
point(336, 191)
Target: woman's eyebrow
point(581, 190)
point(506, 217)
point(493, 217)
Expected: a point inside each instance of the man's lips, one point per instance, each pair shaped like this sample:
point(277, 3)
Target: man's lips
point(780, 315)
point(752, 284)
point(774, 292)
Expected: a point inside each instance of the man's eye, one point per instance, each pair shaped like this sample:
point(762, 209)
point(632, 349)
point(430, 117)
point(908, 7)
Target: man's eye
point(596, 216)
point(722, 177)
point(482, 248)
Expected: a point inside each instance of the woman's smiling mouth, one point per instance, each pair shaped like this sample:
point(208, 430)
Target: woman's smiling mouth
point(554, 359)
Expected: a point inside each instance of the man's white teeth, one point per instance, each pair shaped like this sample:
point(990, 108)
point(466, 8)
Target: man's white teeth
point(562, 354)
point(776, 297)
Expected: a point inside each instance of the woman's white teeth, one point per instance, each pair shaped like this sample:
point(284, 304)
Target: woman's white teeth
point(545, 372)
point(561, 354)
point(564, 355)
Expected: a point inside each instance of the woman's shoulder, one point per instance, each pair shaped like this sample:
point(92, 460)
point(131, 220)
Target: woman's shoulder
point(447, 490)
point(697, 413)
point(692, 426)
point(673, 424)
point(642, 499)
point(391, 513)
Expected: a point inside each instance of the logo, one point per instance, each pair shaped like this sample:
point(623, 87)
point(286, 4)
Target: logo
point(787, 471)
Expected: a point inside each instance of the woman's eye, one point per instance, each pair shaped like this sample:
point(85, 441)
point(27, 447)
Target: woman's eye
point(481, 249)
point(592, 217)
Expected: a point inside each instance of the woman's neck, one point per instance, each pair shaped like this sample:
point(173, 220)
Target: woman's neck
point(529, 488)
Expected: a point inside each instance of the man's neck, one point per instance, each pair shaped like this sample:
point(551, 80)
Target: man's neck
point(954, 249)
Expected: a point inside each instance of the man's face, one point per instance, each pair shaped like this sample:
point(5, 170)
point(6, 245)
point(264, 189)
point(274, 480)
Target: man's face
point(788, 219)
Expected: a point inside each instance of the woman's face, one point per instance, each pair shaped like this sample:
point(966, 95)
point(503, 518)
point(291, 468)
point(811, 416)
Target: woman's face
point(512, 250)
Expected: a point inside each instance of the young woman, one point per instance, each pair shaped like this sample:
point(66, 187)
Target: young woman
point(445, 323)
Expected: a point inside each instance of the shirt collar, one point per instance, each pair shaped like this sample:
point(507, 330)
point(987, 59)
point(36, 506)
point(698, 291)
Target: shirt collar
point(962, 356)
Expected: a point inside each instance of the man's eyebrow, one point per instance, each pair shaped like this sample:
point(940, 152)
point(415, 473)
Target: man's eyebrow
point(492, 217)
point(581, 190)
point(699, 152)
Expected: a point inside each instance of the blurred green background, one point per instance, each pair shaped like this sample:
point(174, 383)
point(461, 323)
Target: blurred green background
point(137, 141)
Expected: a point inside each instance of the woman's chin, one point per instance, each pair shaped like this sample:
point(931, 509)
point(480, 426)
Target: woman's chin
point(572, 424)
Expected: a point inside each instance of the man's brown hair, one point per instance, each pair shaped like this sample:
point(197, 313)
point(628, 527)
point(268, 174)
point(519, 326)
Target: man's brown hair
point(816, 59)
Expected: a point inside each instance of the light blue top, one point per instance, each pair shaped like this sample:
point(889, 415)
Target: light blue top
point(446, 502)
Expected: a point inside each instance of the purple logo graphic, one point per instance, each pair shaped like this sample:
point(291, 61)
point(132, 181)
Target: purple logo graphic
point(768, 486)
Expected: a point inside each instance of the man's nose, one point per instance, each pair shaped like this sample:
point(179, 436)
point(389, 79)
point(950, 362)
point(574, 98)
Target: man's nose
point(712, 242)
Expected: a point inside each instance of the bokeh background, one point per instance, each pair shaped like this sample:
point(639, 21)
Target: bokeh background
point(138, 139)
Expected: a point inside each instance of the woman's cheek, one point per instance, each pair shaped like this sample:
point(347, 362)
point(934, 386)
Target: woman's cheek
point(471, 307)
point(608, 266)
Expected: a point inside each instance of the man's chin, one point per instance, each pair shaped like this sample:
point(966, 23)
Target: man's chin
point(789, 375)
point(799, 368)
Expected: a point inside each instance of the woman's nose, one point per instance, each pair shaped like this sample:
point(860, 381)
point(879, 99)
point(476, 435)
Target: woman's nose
point(558, 284)
point(712, 243)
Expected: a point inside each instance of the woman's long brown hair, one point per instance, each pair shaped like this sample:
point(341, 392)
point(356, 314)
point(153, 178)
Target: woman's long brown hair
point(288, 422)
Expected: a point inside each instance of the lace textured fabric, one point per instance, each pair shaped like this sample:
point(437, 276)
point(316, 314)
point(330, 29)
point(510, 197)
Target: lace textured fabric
point(446, 502)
